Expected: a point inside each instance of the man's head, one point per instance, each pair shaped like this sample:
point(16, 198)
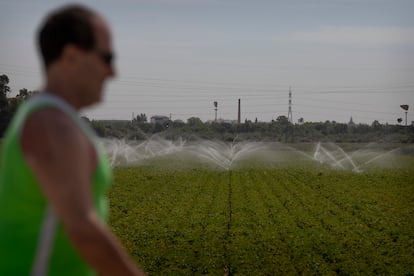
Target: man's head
point(69, 25)
point(75, 44)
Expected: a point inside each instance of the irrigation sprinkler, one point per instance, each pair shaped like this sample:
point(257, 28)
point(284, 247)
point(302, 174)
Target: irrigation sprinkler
point(227, 156)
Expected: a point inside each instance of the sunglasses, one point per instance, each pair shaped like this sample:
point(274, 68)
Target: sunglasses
point(106, 56)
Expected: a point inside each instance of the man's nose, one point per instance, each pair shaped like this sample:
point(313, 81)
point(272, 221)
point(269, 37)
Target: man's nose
point(111, 71)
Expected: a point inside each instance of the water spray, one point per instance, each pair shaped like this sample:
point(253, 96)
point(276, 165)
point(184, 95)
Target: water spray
point(224, 156)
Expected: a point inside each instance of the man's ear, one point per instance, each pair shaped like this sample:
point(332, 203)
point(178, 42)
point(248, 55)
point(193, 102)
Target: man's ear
point(70, 55)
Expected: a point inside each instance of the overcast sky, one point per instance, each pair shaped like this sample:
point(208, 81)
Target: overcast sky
point(341, 58)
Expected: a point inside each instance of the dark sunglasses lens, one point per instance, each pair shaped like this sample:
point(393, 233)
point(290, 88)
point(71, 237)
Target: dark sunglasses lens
point(107, 58)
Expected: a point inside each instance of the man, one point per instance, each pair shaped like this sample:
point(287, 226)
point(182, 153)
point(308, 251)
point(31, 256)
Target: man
point(53, 176)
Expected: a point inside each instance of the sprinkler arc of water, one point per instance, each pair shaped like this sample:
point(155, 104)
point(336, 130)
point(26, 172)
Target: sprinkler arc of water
point(225, 155)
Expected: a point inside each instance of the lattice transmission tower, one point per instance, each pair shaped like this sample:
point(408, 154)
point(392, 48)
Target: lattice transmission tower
point(290, 119)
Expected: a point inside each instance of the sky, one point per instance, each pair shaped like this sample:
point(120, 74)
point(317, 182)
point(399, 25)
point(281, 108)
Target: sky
point(339, 58)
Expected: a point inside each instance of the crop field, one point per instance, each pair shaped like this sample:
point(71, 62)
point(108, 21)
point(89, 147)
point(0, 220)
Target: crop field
point(306, 218)
point(250, 209)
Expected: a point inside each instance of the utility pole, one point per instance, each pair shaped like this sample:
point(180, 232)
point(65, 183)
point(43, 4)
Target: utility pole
point(290, 119)
point(215, 109)
point(405, 107)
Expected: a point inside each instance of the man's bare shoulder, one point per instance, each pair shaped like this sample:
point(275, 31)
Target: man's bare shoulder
point(48, 130)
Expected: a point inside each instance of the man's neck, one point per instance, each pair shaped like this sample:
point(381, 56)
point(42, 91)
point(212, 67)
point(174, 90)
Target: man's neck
point(64, 92)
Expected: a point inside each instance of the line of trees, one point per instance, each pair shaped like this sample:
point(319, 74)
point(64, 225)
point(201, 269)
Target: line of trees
point(9, 105)
point(279, 130)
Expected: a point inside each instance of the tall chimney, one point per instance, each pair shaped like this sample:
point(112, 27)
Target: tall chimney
point(238, 114)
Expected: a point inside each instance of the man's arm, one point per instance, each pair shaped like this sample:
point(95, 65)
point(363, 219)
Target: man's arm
point(63, 160)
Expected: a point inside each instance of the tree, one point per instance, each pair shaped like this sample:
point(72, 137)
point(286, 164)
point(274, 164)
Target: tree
point(8, 106)
point(13, 103)
point(376, 125)
point(4, 103)
point(99, 128)
point(283, 120)
point(340, 128)
point(193, 121)
point(142, 118)
point(24, 94)
point(4, 90)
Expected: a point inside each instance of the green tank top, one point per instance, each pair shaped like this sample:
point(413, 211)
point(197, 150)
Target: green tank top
point(32, 240)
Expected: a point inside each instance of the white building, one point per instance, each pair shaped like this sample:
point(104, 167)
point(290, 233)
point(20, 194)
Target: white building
point(159, 119)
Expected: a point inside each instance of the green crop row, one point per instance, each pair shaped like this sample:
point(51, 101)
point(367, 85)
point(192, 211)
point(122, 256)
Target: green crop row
point(280, 221)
